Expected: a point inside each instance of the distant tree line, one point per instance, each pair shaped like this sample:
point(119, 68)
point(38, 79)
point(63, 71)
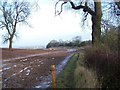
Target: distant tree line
point(75, 42)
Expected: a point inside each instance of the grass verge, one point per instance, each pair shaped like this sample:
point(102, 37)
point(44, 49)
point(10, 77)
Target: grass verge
point(84, 77)
point(66, 78)
point(76, 75)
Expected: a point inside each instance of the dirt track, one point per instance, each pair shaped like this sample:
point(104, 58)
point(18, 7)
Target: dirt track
point(14, 53)
point(28, 72)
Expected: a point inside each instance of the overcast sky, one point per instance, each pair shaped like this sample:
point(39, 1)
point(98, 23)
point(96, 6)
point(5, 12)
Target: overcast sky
point(47, 27)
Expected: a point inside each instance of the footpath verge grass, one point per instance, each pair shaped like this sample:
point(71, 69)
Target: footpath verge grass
point(84, 77)
point(66, 78)
point(76, 75)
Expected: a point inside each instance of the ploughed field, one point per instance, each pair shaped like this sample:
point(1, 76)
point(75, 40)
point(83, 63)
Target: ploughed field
point(25, 68)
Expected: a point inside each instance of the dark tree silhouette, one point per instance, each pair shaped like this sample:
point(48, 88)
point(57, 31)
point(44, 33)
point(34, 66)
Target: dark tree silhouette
point(96, 15)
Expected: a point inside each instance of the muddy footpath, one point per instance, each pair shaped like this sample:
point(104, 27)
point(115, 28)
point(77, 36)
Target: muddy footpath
point(33, 70)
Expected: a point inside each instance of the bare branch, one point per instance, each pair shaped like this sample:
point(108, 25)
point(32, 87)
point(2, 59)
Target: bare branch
point(61, 7)
point(2, 24)
point(56, 6)
point(85, 17)
point(85, 8)
point(5, 38)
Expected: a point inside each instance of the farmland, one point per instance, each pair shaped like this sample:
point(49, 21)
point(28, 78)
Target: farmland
point(23, 68)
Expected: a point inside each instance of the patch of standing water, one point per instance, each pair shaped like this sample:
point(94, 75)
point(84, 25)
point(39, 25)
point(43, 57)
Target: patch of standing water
point(28, 72)
point(24, 60)
point(25, 68)
point(15, 66)
point(21, 71)
point(60, 66)
point(4, 65)
point(47, 80)
point(6, 68)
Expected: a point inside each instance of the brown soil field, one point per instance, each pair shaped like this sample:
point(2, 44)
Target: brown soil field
point(7, 54)
point(27, 72)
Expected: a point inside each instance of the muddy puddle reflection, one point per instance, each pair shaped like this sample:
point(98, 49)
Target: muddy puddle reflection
point(47, 80)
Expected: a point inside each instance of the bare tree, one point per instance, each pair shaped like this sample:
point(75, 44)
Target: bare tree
point(13, 13)
point(95, 13)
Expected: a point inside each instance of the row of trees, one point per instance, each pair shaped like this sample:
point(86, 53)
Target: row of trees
point(75, 42)
point(15, 12)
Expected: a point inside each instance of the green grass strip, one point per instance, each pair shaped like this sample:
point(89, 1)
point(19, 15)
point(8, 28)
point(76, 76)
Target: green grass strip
point(66, 78)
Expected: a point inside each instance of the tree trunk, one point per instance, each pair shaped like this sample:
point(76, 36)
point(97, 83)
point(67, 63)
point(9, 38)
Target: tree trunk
point(96, 19)
point(96, 24)
point(10, 43)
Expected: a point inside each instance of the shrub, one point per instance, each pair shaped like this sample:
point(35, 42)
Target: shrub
point(106, 64)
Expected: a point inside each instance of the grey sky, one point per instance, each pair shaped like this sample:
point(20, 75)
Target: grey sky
point(47, 27)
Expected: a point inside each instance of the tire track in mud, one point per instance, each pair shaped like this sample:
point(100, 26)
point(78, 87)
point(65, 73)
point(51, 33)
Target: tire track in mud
point(22, 57)
point(19, 69)
point(47, 80)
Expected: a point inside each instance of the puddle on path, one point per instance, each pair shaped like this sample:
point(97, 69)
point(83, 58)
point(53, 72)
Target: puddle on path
point(47, 80)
